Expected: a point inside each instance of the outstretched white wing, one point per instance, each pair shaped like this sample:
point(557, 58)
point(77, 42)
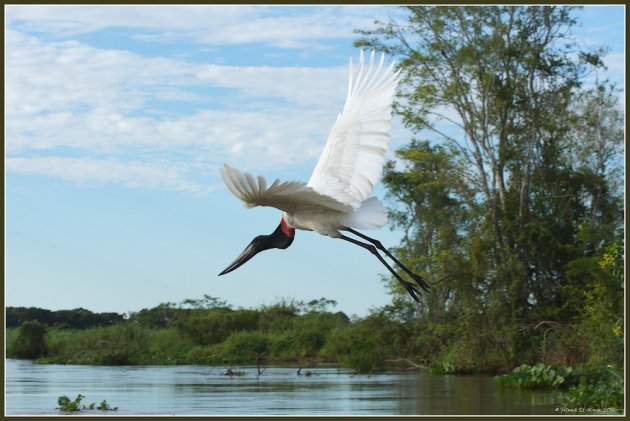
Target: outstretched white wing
point(288, 196)
point(352, 160)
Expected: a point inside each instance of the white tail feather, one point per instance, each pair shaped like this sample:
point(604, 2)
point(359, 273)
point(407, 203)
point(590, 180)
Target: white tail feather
point(371, 215)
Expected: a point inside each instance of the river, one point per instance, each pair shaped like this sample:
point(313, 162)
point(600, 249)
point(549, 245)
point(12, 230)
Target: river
point(33, 389)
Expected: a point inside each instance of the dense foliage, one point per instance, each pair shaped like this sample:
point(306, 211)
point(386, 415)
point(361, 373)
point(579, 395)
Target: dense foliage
point(209, 331)
point(511, 193)
point(538, 376)
point(30, 343)
point(205, 331)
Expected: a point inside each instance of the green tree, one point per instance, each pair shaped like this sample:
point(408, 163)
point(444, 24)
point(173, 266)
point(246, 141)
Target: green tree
point(321, 305)
point(279, 317)
point(513, 188)
point(433, 215)
point(30, 342)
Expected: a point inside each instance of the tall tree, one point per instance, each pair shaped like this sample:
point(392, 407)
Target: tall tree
point(498, 205)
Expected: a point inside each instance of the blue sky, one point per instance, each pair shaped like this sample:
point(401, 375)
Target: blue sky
point(118, 119)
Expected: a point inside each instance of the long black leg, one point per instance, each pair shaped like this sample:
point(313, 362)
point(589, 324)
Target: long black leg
point(411, 289)
point(419, 279)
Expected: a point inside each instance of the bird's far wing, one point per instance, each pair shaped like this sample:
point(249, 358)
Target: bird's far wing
point(352, 160)
point(288, 196)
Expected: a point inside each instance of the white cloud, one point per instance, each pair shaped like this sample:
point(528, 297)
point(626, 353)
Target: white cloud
point(280, 26)
point(91, 114)
point(301, 85)
point(98, 171)
point(295, 31)
point(65, 19)
point(109, 105)
point(51, 76)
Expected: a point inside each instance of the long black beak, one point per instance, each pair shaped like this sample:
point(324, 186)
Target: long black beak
point(277, 239)
point(250, 251)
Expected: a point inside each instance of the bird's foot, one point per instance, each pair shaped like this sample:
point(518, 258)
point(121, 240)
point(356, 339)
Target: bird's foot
point(412, 290)
point(420, 281)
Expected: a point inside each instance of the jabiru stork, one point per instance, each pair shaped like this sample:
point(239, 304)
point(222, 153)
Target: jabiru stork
point(338, 197)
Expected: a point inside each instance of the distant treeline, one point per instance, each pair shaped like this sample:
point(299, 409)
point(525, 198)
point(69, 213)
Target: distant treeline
point(78, 318)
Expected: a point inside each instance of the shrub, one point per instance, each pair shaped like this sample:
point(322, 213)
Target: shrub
point(539, 376)
point(165, 346)
point(365, 346)
point(442, 367)
point(30, 342)
point(604, 391)
point(307, 336)
point(245, 346)
point(279, 317)
point(209, 354)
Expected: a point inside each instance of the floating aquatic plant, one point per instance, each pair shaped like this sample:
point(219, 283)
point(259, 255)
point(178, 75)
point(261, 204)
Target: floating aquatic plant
point(67, 405)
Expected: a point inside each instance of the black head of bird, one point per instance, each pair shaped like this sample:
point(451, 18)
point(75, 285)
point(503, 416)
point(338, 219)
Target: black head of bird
point(281, 238)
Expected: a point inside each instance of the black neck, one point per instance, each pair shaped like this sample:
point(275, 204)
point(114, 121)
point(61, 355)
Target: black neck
point(278, 239)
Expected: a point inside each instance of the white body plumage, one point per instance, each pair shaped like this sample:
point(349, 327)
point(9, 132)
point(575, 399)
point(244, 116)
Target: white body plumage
point(338, 194)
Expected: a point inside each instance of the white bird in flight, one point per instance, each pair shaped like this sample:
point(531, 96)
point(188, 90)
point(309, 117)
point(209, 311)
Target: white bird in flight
point(338, 197)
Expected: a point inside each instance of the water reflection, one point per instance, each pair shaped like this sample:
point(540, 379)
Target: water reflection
point(202, 390)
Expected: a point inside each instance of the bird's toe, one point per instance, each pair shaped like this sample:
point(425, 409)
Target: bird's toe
point(421, 282)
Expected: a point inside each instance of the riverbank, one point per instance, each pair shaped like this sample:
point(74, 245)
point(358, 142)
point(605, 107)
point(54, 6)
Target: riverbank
point(209, 333)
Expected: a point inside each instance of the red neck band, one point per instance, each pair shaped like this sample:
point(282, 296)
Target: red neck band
point(289, 232)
